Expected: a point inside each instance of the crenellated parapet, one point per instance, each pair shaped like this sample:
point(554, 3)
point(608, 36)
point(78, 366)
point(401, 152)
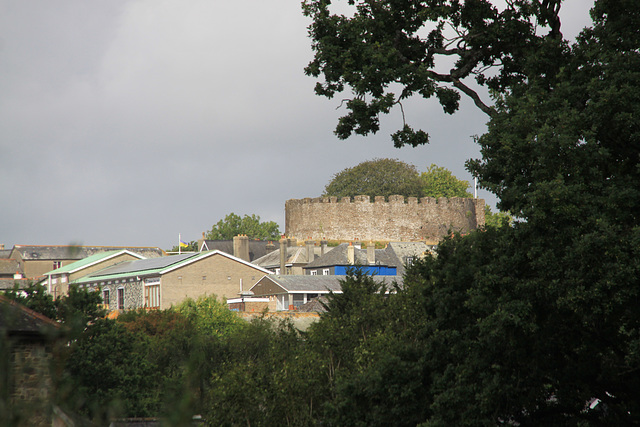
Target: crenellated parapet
point(392, 219)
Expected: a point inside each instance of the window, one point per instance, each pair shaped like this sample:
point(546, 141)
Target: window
point(298, 300)
point(120, 298)
point(57, 264)
point(314, 272)
point(325, 272)
point(152, 297)
point(105, 298)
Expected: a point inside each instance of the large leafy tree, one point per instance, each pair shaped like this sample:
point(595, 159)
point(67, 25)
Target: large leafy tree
point(562, 152)
point(386, 51)
point(531, 324)
point(377, 177)
point(233, 225)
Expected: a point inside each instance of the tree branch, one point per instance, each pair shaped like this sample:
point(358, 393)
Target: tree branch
point(464, 89)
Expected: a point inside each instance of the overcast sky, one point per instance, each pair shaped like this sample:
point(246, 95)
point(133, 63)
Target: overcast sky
point(127, 122)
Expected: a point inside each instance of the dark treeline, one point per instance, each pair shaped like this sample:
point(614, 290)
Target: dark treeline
point(532, 323)
point(455, 346)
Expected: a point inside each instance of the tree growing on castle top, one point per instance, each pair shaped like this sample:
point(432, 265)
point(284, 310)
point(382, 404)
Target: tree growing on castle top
point(233, 225)
point(440, 182)
point(377, 177)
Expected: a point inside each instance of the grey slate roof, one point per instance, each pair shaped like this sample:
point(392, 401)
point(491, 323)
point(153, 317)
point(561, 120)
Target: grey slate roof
point(338, 256)
point(411, 249)
point(9, 283)
point(295, 255)
point(257, 248)
point(8, 267)
point(314, 305)
point(313, 284)
point(399, 252)
point(65, 252)
point(395, 254)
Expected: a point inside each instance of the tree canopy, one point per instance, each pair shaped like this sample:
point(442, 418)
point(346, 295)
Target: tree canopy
point(386, 177)
point(75, 310)
point(440, 182)
point(387, 51)
point(233, 225)
point(531, 324)
point(377, 177)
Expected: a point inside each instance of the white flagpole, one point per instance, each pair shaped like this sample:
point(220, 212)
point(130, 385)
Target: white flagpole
point(179, 244)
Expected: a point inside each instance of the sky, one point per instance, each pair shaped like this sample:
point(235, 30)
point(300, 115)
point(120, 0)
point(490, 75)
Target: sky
point(131, 122)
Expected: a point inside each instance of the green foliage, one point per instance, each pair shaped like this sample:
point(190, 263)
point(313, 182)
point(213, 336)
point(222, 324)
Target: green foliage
point(440, 182)
point(368, 356)
point(378, 177)
point(233, 225)
point(80, 306)
point(35, 297)
point(519, 325)
point(497, 219)
point(210, 316)
point(75, 310)
point(111, 373)
point(387, 51)
point(267, 378)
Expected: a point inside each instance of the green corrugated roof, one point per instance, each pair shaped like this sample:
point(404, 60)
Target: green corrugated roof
point(149, 267)
point(84, 261)
point(129, 269)
point(90, 279)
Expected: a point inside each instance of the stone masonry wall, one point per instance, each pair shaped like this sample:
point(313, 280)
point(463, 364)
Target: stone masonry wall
point(394, 220)
point(32, 385)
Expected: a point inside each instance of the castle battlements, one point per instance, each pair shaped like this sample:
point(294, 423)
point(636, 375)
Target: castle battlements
point(396, 199)
point(395, 219)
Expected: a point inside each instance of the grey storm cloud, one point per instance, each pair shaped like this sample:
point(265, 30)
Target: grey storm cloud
point(130, 121)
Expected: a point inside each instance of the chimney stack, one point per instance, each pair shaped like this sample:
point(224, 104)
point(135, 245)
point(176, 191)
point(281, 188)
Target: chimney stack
point(351, 255)
point(371, 253)
point(283, 255)
point(311, 255)
point(323, 246)
point(270, 247)
point(241, 247)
